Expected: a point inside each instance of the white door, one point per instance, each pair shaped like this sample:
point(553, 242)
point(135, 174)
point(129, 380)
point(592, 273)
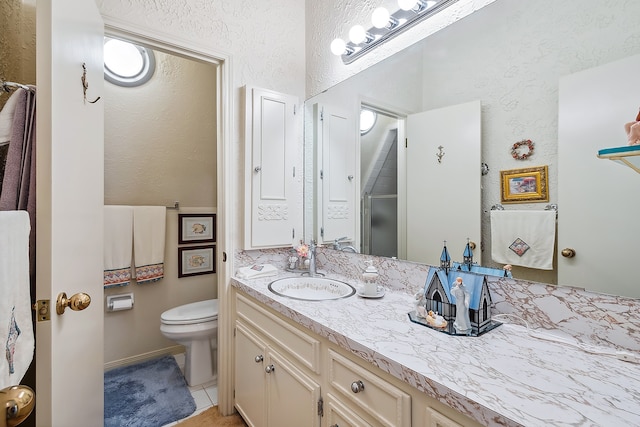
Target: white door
point(443, 197)
point(336, 179)
point(69, 347)
point(597, 199)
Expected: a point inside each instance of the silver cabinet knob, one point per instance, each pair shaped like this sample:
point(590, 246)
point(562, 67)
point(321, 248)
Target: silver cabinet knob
point(257, 168)
point(269, 369)
point(357, 386)
point(350, 177)
point(259, 358)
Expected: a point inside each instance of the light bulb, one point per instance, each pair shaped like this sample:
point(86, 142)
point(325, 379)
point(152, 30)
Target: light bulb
point(380, 17)
point(338, 47)
point(357, 34)
point(408, 4)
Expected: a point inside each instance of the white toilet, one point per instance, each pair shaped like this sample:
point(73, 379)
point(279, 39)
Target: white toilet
point(195, 326)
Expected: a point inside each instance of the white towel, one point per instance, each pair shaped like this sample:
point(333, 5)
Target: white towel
point(524, 238)
point(16, 327)
point(149, 224)
point(6, 118)
point(118, 245)
point(256, 271)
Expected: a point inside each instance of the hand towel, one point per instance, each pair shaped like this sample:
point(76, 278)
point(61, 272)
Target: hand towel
point(256, 271)
point(16, 328)
point(149, 224)
point(118, 245)
point(524, 238)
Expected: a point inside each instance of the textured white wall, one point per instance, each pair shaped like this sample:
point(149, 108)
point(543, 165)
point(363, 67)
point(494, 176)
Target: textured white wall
point(330, 19)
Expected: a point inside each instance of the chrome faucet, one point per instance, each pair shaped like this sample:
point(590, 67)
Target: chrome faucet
point(312, 259)
point(337, 245)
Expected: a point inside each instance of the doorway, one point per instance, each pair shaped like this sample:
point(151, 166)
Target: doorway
point(379, 181)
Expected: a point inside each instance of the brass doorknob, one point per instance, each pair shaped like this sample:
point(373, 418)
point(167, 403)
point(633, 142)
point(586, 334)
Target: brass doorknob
point(18, 402)
point(568, 253)
point(77, 302)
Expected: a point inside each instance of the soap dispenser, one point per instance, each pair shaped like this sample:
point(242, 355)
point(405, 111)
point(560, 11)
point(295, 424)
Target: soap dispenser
point(369, 276)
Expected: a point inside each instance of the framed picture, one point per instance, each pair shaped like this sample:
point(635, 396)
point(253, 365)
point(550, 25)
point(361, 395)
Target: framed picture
point(196, 228)
point(525, 185)
point(196, 260)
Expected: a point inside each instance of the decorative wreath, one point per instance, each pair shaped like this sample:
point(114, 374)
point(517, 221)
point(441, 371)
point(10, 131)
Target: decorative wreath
point(514, 149)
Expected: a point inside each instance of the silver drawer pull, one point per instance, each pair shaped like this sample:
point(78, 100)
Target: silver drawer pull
point(357, 386)
point(259, 358)
point(269, 369)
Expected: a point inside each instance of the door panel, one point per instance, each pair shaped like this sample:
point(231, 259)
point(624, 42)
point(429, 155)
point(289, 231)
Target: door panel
point(443, 198)
point(69, 351)
point(597, 203)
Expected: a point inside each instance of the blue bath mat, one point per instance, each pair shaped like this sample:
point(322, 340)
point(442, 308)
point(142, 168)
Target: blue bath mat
point(148, 394)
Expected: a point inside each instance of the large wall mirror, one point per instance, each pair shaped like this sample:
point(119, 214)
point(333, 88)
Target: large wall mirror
point(510, 57)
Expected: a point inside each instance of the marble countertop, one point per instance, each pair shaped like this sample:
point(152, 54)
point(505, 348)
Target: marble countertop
point(502, 378)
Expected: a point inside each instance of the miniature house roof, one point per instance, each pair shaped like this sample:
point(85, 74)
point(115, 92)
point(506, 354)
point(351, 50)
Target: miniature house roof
point(472, 282)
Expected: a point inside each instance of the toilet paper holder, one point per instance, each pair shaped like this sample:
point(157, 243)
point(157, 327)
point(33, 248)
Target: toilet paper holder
point(120, 302)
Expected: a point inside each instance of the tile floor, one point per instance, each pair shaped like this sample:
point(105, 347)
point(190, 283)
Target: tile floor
point(205, 395)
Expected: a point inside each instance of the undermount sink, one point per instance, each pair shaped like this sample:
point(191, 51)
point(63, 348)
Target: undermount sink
point(311, 288)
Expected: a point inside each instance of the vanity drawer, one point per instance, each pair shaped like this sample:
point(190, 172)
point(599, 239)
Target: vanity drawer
point(381, 400)
point(304, 348)
point(339, 415)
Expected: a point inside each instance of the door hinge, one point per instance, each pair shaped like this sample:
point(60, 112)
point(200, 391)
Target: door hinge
point(43, 310)
point(322, 231)
point(321, 174)
point(322, 114)
point(293, 233)
point(294, 109)
point(406, 143)
point(294, 171)
point(320, 407)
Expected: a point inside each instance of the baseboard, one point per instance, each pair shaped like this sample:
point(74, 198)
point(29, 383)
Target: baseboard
point(176, 349)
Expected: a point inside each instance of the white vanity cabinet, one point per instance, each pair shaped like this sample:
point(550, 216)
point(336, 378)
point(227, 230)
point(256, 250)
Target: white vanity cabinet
point(275, 382)
point(284, 372)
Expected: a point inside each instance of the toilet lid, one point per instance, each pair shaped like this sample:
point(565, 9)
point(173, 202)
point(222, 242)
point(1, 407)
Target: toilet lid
point(196, 312)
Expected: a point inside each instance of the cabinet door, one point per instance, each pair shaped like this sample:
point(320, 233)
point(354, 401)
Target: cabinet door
point(250, 399)
point(273, 214)
point(292, 396)
point(336, 182)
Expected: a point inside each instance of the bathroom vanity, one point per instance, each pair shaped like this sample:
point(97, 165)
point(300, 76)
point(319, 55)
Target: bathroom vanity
point(363, 362)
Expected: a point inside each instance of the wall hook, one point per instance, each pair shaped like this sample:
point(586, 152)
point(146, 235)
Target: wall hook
point(85, 84)
point(440, 154)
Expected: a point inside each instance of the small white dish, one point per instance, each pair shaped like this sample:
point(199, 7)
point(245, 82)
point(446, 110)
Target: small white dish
point(378, 294)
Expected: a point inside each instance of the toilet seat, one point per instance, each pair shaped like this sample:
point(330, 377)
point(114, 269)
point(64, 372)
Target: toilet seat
point(196, 312)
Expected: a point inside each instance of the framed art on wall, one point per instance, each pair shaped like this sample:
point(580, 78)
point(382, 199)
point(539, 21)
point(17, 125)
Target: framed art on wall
point(525, 185)
point(196, 228)
point(196, 260)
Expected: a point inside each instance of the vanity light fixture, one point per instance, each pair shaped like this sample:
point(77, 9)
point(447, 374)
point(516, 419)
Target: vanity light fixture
point(385, 27)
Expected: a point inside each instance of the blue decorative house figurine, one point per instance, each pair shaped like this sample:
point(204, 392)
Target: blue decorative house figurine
point(469, 283)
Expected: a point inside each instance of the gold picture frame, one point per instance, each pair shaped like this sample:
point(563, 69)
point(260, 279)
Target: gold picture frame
point(528, 185)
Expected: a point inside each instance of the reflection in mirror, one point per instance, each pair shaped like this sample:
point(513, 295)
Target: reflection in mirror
point(379, 186)
point(509, 55)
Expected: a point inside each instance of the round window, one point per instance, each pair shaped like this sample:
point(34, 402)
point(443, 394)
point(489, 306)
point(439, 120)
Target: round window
point(127, 64)
point(367, 120)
